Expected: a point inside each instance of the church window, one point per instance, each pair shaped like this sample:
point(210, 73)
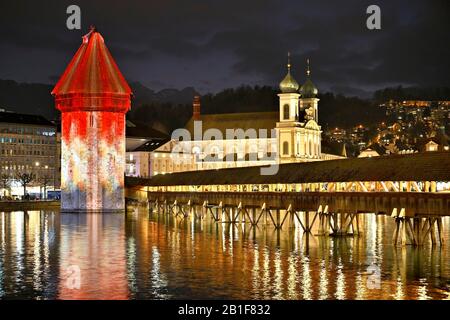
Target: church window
point(286, 112)
point(285, 147)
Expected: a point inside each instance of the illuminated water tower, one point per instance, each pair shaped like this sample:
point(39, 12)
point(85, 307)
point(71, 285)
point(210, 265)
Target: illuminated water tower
point(93, 98)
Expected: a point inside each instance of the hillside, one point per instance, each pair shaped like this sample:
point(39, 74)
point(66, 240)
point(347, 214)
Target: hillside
point(169, 109)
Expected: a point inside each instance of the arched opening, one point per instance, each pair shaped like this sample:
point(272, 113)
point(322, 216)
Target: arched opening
point(285, 148)
point(286, 112)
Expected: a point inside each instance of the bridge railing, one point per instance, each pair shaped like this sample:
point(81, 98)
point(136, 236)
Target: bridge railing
point(353, 186)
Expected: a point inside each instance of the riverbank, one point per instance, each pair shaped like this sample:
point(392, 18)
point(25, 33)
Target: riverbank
point(29, 205)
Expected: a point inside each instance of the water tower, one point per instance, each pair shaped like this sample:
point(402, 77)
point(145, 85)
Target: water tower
point(93, 98)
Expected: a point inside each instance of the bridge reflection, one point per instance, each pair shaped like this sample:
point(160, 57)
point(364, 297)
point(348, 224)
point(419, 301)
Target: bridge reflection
point(166, 256)
point(413, 189)
point(239, 261)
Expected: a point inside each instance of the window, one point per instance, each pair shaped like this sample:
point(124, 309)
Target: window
point(286, 112)
point(91, 120)
point(285, 148)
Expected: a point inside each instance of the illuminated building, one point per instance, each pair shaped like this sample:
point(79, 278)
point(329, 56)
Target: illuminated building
point(337, 134)
point(142, 159)
point(93, 98)
point(292, 135)
point(27, 145)
point(374, 150)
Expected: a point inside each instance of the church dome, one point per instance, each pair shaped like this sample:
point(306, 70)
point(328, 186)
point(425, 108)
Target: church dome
point(288, 84)
point(308, 89)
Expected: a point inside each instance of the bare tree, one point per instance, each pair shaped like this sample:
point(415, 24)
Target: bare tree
point(25, 178)
point(45, 182)
point(5, 181)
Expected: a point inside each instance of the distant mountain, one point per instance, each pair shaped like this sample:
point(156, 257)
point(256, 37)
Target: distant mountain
point(35, 98)
point(144, 95)
point(169, 109)
point(32, 98)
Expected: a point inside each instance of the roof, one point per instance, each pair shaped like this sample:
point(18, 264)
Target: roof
point(333, 147)
point(19, 118)
point(441, 140)
point(248, 120)
point(288, 84)
point(308, 89)
point(150, 145)
point(402, 146)
point(92, 79)
point(381, 150)
point(432, 166)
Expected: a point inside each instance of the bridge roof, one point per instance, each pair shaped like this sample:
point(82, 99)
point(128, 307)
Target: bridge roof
point(429, 166)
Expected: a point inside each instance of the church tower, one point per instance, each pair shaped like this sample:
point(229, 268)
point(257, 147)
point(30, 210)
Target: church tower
point(308, 92)
point(311, 132)
point(289, 117)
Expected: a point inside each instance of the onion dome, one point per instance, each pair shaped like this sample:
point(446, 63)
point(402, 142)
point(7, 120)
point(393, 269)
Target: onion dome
point(288, 84)
point(308, 89)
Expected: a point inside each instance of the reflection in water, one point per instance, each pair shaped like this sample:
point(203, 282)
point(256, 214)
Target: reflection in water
point(142, 256)
point(94, 244)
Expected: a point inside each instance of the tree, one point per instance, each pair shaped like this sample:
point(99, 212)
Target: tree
point(25, 178)
point(5, 181)
point(45, 181)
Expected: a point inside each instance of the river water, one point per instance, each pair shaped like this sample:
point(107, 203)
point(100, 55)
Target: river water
point(50, 255)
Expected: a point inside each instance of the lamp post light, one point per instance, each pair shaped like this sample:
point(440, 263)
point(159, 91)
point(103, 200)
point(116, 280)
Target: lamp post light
point(37, 164)
point(46, 180)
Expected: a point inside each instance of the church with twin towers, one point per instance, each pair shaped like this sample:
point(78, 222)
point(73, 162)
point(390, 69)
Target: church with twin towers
point(210, 141)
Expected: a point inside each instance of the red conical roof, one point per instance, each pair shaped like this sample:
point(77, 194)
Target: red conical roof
point(92, 80)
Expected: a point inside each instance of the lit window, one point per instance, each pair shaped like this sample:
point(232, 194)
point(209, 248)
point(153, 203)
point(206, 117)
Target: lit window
point(285, 148)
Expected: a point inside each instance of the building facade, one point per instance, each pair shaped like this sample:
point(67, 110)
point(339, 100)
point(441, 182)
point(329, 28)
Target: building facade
point(27, 146)
point(149, 152)
point(216, 141)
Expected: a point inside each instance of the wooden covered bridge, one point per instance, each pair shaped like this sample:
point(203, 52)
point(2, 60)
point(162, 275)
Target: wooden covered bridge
point(414, 189)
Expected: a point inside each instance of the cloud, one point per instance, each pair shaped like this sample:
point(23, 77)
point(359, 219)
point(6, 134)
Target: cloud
point(188, 42)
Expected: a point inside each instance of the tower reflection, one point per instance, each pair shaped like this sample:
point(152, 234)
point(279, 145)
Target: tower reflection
point(48, 255)
point(92, 247)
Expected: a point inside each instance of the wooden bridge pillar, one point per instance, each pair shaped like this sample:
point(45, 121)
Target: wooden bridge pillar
point(417, 231)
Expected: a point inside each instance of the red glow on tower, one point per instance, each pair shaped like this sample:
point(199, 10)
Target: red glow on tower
point(93, 98)
point(92, 80)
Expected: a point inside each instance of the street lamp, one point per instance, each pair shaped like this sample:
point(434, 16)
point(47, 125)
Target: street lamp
point(36, 177)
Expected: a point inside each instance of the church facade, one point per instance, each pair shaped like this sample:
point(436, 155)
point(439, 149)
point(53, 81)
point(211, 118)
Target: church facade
point(298, 131)
point(216, 141)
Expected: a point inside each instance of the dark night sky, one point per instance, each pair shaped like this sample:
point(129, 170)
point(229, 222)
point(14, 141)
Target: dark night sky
point(212, 45)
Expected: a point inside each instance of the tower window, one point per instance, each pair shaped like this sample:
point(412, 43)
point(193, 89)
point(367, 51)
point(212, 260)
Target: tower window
point(285, 148)
point(286, 112)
